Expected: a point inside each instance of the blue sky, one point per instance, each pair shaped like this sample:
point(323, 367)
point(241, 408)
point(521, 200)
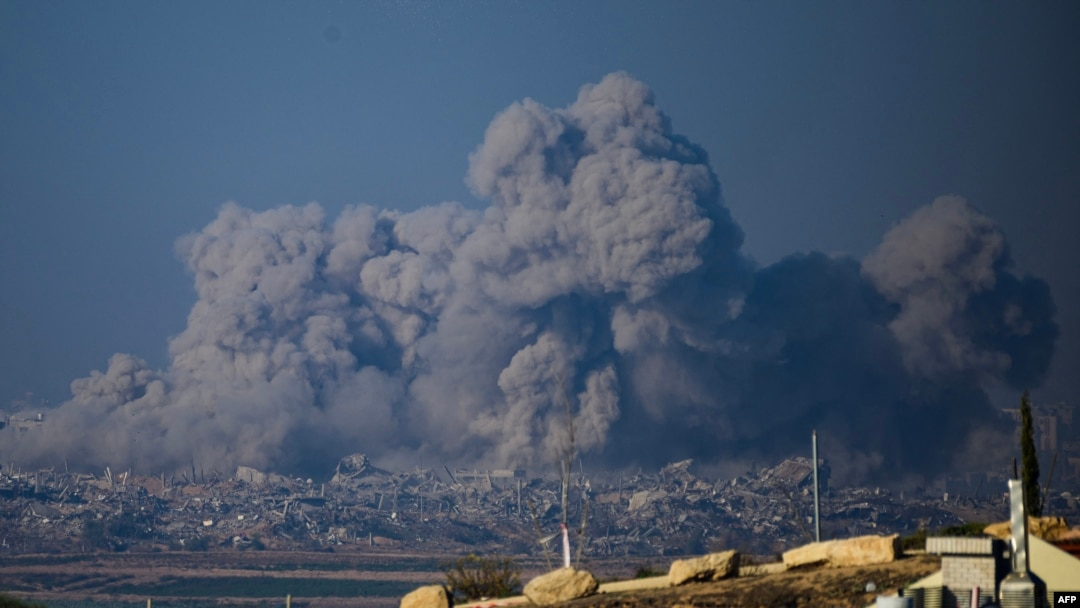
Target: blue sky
point(126, 125)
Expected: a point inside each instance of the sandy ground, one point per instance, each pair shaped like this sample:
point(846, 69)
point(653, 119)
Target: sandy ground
point(820, 588)
point(763, 588)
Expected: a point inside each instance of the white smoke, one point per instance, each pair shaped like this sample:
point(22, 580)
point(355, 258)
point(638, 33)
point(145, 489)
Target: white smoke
point(603, 285)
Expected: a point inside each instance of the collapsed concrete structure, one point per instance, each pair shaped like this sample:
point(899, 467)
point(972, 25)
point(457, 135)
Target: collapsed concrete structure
point(671, 512)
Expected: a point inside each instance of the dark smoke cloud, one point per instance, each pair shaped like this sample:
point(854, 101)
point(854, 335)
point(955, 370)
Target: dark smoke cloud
point(606, 273)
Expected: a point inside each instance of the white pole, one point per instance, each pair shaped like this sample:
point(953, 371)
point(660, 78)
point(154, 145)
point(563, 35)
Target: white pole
point(565, 546)
point(817, 507)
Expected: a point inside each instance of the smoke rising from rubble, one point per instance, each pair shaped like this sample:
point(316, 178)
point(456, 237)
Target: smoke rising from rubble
point(606, 273)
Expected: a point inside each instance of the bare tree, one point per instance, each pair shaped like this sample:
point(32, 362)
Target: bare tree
point(540, 533)
point(566, 452)
point(565, 449)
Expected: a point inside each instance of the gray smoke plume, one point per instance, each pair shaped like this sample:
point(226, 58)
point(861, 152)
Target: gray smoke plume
point(961, 310)
point(604, 283)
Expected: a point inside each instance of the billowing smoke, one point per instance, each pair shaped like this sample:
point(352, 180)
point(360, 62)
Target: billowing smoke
point(604, 283)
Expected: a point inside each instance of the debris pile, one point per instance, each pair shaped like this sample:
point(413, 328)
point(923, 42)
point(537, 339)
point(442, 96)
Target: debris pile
point(670, 512)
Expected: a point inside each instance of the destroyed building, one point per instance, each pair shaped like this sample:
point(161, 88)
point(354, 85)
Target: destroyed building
point(672, 511)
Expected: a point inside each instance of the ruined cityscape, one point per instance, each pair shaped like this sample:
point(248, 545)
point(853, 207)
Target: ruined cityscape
point(438, 510)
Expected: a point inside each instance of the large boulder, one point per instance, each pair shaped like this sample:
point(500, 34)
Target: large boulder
point(711, 567)
point(865, 550)
point(561, 585)
point(814, 554)
point(432, 596)
point(1046, 528)
point(858, 551)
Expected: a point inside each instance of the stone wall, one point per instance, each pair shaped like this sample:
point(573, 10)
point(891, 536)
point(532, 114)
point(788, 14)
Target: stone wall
point(967, 563)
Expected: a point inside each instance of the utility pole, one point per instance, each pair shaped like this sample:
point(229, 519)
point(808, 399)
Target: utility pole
point(817, 504)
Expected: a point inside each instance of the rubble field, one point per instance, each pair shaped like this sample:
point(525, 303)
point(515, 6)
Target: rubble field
point(430, 511)
point(360, 516)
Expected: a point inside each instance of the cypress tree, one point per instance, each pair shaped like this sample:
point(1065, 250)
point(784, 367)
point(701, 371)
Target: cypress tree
point(1029, 459)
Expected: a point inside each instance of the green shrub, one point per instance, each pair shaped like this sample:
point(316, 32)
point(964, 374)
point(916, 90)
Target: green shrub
point(198, 543)
point(648, 572)
point(917, 541)
point(131, 526)
point(914, 542)
point(974, 528)
point(6, 601)
point(472, 577)
point(95, 534)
